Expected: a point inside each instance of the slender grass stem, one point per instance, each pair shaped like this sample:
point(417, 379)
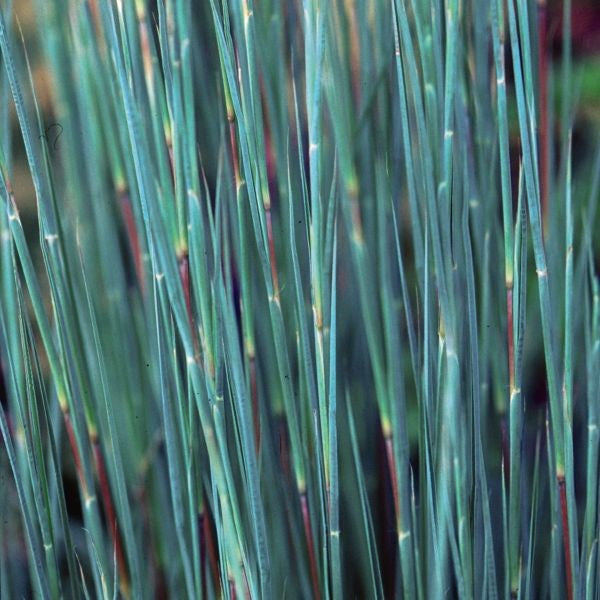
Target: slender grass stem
point(564, 513)
point(544, 143)
point(391, 463)
point(310, 545)
point(180, 306)
point(184, 274)
point(132, 235)
point(74, 450)
point(111, 518)
point(207, 547)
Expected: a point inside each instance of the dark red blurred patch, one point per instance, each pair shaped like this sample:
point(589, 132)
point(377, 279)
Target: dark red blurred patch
point(585, 27)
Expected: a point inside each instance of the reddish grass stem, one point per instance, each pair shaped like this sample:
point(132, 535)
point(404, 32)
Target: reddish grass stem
point(388, 522)
point(201, 519)
point(184, 274)
point(207, 546)
point(74, 449)
point(391, 460)
point(566, 536)
point(111, 517)
point(132, 235)
point(95, 17)
point(106, 498)
point(234, 152)
point(310, 543)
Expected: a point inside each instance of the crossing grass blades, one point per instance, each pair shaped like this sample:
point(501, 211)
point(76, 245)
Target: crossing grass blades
point(308, 304)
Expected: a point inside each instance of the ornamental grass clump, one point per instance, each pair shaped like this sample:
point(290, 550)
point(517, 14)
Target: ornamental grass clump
point(307, 304)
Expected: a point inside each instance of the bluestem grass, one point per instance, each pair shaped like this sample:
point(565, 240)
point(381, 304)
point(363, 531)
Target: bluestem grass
point(284, 333)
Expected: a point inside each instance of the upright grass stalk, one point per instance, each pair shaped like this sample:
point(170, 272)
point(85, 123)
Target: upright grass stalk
point(254, 207)
point(544, 138)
